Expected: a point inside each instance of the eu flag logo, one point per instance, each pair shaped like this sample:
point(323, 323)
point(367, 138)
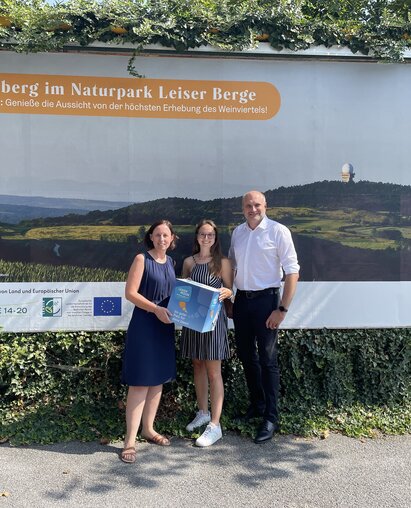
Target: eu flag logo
point(107, 306)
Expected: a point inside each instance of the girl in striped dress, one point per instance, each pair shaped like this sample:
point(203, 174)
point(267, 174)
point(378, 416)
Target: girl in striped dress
point(206, 350)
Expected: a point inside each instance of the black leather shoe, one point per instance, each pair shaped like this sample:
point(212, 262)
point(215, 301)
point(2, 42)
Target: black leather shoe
point(251, 413)
point(265, 431)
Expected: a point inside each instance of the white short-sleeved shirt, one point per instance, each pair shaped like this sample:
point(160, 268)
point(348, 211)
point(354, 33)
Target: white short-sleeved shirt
point(260, 255)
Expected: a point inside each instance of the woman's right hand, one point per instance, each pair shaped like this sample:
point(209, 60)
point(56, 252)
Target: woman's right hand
point(163, 314)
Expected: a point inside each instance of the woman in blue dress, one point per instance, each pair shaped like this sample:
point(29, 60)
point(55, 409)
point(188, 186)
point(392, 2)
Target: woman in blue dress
point(149, 355)
point(206, 350)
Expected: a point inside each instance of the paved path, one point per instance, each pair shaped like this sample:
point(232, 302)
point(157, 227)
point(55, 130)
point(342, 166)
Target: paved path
point(287, 472)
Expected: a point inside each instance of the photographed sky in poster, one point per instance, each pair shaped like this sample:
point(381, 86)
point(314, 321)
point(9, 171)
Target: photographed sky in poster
point(331, 113)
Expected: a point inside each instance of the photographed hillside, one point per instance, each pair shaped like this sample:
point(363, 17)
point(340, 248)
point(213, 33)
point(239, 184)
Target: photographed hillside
point(363, 195)
point(355, 231)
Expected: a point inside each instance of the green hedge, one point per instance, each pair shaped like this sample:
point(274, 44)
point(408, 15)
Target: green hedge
point(381, 29)
point(64, 386)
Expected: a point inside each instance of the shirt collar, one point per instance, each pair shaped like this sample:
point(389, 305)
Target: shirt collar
point(263, 224)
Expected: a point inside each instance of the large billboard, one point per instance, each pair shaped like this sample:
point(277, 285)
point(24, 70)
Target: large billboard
point(91, 157)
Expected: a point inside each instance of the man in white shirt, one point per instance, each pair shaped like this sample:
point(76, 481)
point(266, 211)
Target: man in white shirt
point(262, 252)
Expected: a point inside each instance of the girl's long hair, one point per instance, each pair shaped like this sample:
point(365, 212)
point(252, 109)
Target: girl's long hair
point(215, 250)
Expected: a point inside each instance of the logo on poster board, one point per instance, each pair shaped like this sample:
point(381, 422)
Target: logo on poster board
point(52, 307)
point(107, 306)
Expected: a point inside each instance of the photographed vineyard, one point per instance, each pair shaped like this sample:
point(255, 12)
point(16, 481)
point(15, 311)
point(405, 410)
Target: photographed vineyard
point(34, 272)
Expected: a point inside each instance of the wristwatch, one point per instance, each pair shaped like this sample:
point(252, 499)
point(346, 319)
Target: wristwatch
point(282, 308)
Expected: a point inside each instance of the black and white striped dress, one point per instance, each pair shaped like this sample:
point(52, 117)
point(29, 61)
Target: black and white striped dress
point(208, 345)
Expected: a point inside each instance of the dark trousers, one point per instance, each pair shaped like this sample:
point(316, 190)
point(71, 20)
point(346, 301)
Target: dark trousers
point(257, 349)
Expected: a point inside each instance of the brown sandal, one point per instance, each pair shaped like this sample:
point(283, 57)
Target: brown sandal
point(157, 439)
point(128, 455)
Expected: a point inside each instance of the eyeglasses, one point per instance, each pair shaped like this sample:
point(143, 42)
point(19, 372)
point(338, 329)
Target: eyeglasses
point(206, 235)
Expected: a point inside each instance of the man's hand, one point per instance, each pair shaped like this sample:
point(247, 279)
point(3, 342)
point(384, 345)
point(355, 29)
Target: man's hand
point(275, 319)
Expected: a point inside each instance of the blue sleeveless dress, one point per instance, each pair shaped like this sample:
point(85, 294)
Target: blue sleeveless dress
point(149, 354)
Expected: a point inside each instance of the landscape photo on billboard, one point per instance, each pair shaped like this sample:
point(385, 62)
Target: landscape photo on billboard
point(355, 231)
point(79, 192)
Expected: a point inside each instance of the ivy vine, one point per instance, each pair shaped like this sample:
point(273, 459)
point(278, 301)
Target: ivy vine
point(57, 386)
point(378, 28)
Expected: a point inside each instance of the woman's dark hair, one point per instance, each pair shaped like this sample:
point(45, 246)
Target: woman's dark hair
point(215, 250)
point(147, 240)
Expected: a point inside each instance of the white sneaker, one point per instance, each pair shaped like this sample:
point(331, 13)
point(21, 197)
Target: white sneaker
point(200, 419)
point(211, 434)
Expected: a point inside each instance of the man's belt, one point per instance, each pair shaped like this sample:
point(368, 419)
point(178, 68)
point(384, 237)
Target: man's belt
point(256, 294)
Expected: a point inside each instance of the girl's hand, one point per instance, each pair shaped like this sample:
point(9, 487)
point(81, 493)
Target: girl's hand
point(163, 314)
point(225, 293)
